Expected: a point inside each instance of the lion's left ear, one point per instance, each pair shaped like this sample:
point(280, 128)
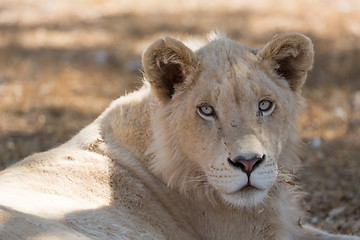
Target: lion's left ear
point(290, 55)
point(166, 63)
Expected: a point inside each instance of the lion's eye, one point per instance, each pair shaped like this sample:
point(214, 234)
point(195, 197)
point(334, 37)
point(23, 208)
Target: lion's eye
point(266, 107)
point(205, 110)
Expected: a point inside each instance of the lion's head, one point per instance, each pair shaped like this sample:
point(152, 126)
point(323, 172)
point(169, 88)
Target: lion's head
point(226, 119)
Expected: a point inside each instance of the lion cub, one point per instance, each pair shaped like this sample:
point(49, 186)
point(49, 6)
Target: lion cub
point(201, 151)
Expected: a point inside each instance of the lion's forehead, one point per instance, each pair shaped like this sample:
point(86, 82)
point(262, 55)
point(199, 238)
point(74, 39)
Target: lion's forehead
point(230, 67)
point(221, 52)
point(237, 87)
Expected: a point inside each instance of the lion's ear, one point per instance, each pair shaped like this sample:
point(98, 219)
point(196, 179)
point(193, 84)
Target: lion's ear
point(167, 62)
point(291, 56)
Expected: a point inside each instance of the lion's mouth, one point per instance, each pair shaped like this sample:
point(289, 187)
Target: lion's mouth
point(248, 187)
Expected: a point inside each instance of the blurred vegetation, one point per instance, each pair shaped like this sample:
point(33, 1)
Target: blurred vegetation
point(63, 62)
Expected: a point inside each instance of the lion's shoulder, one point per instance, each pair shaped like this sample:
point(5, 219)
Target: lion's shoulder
point(92, 194)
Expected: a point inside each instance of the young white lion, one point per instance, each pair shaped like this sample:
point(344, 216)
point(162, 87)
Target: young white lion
point(203, 151)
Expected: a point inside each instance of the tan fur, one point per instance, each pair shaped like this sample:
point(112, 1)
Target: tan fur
point(153, 167)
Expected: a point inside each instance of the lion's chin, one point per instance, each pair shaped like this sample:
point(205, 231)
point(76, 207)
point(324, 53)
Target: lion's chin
point(247, 196)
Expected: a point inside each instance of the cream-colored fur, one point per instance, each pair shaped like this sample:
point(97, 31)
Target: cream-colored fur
point(154, 166)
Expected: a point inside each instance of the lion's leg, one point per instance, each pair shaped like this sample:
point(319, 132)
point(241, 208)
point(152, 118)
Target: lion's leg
point(311, 233)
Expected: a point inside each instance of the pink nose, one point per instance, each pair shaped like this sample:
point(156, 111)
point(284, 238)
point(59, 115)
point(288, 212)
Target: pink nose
point(245, 164)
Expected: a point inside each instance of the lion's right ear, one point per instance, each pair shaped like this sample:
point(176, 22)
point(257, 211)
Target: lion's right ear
point(166, 63)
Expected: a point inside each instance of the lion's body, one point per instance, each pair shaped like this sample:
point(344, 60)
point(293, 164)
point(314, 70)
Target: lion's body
point(143, 169)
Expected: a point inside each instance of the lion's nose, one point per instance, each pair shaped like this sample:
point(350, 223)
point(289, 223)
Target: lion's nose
point(247, 165)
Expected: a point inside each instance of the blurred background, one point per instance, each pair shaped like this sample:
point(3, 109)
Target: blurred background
point(63, 62)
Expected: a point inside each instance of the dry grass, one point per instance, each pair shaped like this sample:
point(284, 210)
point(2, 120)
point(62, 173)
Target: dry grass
point(62, 63)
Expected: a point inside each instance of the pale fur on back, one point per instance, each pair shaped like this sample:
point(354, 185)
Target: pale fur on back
point(153, 166)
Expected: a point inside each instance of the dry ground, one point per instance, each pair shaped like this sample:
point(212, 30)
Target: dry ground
point(62, 62)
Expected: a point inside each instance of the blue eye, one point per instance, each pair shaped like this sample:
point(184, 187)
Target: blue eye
point(205, 110)
point(266, 107)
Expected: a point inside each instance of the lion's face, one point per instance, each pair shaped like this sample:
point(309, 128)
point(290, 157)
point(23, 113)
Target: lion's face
point(233, 124)
point(226, 124)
